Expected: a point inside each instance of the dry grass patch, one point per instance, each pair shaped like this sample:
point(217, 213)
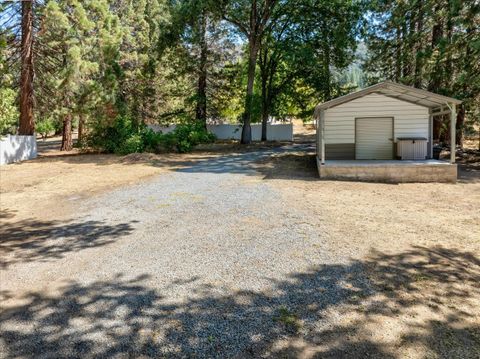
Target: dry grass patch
point(48, 187)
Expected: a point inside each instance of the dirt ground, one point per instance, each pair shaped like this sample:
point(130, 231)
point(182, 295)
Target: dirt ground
point(49, 186)
point(418, 244)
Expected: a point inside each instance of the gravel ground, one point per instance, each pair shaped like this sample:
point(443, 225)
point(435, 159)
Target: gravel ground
point(211, 260)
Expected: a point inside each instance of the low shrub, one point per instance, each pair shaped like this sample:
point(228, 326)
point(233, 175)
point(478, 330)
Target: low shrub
point(132, 144)
point(111, 136)
point(123, 137)
point(190, 135)
point(44, 127)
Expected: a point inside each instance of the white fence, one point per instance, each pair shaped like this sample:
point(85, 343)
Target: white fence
point(15, 148)
point(281, 132)
point(164, 129)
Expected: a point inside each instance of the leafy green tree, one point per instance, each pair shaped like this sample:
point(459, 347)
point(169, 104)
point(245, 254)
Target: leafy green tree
point(8, 110)
point(301, 52)
point(251, 18)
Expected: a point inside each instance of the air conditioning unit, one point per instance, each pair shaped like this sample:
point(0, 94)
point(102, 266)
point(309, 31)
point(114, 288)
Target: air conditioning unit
point(412, 148)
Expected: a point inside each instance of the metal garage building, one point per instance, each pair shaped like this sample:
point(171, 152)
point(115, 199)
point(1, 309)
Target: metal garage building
point(385, 122)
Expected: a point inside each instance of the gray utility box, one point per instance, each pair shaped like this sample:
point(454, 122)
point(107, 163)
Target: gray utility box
point(412, 148)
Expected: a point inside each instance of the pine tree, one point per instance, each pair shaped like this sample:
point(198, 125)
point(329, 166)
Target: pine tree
point(429, 44)
point(27, 124)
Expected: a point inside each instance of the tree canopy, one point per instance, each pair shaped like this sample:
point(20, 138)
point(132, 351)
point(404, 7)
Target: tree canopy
point(94, 64)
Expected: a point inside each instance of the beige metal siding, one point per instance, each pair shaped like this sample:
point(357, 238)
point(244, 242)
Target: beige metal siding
point(410, 120)
point(374, 139)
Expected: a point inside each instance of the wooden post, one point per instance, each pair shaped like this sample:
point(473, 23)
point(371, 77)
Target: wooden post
point(322, 135)
point(453, 132)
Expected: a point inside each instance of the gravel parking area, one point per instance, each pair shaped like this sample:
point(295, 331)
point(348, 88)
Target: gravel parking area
point(221, 256)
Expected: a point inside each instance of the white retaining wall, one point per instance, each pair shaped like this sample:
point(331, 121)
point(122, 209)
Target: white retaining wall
point(15, 148)
point(164, 129)
point(281, 132)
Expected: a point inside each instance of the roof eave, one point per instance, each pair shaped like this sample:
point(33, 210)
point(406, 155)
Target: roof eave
point(354, 95)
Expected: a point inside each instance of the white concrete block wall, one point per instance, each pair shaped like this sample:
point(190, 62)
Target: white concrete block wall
point(226, 132)
point(15, 148)
point(281, 132)
point(164, 129)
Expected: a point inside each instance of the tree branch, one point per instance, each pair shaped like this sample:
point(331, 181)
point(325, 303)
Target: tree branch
point(238, 24)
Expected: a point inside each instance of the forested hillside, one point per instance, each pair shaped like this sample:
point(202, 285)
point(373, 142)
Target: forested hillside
point(108, 67)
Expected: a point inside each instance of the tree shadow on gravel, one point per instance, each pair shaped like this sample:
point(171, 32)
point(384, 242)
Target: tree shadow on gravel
point(33, 240)
point(331, 311)
point(286, 162)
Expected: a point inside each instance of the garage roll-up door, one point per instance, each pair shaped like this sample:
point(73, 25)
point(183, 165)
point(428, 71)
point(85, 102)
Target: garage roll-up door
point(373, 138)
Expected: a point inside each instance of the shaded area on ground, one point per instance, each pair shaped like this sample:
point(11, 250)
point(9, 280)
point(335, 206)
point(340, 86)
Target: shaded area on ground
point(127, 316)
point(468, 173)
point(233, 157)
point(34, 240)
point(286, 162)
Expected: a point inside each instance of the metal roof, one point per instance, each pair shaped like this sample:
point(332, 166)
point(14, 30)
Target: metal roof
point(398, 91)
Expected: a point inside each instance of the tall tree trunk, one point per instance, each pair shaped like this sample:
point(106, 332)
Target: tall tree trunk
point(247, 115)
point(81, 123)
point(201, 108)
point(437, 34)
point(327, 93)
point(398, 54)
point(449, 63)
point(265, 109)
point(418, 48)
point(435, 75)
point(406, 69)
point(264, 71)
point(67, 142)
point(27, 124)
point(268, 71)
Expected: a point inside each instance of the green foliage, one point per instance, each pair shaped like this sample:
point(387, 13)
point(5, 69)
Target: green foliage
point(182, 139)
point(302, 54)
point(8, 111)
point(430, 44)
point(45, 127)
point(124, 137)
point(111, 137)
point(190, 135)
point(289, 319)
point(132, 144)
point(121, 64)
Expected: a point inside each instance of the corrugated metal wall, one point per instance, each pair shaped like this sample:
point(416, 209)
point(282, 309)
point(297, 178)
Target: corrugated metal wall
point(374, 139)
point(410, 120)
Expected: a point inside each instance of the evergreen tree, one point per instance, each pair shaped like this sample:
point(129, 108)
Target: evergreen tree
point(430, 44)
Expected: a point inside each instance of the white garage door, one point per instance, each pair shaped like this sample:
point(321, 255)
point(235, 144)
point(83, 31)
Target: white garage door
point(373, 138)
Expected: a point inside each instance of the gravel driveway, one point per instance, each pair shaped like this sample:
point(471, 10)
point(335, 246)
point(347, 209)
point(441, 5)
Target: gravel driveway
point(196, 261)
point(207, 260)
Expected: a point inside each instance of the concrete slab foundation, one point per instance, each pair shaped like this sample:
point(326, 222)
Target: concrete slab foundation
point(389, 171)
